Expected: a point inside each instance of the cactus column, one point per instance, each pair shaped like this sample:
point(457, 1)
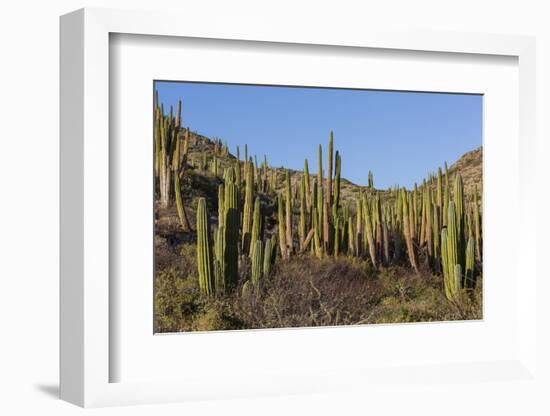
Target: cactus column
point(204, 250)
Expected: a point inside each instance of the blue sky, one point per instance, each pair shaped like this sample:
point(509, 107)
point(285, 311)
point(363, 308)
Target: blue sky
point(400, 136)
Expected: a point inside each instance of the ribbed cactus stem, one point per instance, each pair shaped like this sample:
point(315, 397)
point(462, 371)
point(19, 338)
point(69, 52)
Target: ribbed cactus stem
point(238, 172)
point(328, 197)
point(307, 185)
point(320, 203)
point(316, 235)
point(204, 250)
point(470, 261)
point(256, 263)
point(407, 230)
point(326, 227)
point(281, 224)
point(429, 224)
point(182, 215)
point(337, 237)
point(351, 243)
point(256, 225)
point(288, 213)
point(303, 209)
point(415, 213)
point(248, 206)
point(337, 177)
point(267, 258)
point(358, 227)
point(221, 205)
point(446, 198)
point(477, 226)
point(436, 239)
point(158, 133)
point(369, 236)
point(219, 262)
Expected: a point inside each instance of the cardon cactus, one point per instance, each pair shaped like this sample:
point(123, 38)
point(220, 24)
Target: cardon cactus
point(470, 261)
point(204, 250)
point(256, 225)
point(407, 230)
point(328, 197)
point(452, 268)
point(248, 206)
point(231, 225)
point(368, 231)
point(307, 187)
point(337, 177)
point(288, 211)
point(268, 256)
point(219, 259)
point(320, 188)
point(281, 224)
point(303, 209)
point(256, 263)
point(477, 225)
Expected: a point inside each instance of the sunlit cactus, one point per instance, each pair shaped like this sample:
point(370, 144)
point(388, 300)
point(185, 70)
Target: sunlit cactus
point(267, 258)
point(204, 250)
point(288, 212)
point(248, 206)
point(368, 232)
point(303, 209)
point(281, 223)
point(307, 188)
point(477, 226)
point(337, 178)
point(407, 231)
point(256, 225)
point(328, 197)
point(470, 261)
point(256, 262)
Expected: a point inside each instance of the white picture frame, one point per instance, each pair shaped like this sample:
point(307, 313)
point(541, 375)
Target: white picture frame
point(86, 354)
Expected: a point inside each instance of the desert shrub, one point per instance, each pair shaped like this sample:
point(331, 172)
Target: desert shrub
point(303, 292)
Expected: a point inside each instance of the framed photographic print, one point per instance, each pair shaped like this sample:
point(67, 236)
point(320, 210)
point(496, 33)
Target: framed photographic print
point(277, 213)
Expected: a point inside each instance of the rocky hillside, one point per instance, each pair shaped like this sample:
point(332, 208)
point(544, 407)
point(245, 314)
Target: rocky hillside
point(470, 166)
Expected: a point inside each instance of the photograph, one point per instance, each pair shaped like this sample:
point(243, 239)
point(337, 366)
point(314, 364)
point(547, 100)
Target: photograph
point(303, 206)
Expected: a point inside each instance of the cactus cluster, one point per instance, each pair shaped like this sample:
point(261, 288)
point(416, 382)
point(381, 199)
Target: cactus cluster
point(434, 226)
point(171, 150)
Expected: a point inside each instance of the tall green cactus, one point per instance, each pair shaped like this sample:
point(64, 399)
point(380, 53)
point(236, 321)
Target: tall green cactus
point(477, 225)
point(256, 225)
point(368, 230)
point(337, 237)
point(469, 282)
point(358, 249)
point(204, 250)
point(267, 258)
point(281, 223)
point(317, 248)
point(320, 203)
point(288, 212)
point(407, 230)
point(256, 262)
point(303, 209)
point(307, 188)
point(452, 269)
point(231, 228)
point(248, 205)
point(328, 197)
point(219, 259)
point(337, 177)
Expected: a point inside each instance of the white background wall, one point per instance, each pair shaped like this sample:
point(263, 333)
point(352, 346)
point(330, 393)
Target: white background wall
point(29, 56)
